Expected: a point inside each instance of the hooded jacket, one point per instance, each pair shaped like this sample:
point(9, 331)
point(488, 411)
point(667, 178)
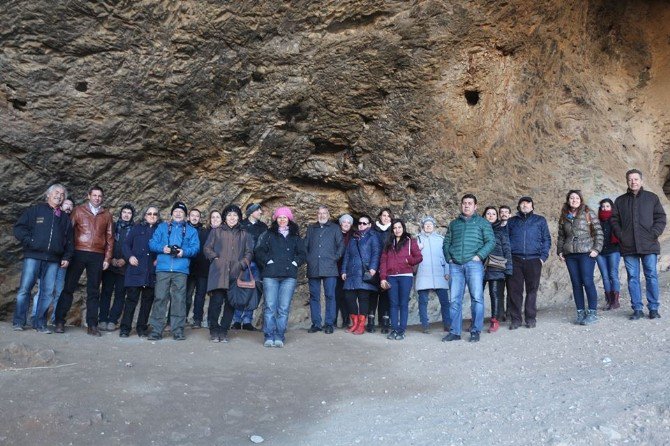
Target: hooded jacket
point(433, 268)
point(280, 256)
point(173, 233)
point(580, 234)
point(229, 250)
point(363, 250)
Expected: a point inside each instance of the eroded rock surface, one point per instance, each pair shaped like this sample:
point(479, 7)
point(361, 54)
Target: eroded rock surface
point(356, 104)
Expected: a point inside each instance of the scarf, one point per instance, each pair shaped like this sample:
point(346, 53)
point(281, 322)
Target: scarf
point(382, 227)
point(605, 216)
point(283, 230)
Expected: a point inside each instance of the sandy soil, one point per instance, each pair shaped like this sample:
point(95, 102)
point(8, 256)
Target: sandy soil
point(557, 384)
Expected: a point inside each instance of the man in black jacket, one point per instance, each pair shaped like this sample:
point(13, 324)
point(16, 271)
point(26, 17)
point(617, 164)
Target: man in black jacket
point(638, 219)
point(46, 235)
point(198, 272)
point(325, 245)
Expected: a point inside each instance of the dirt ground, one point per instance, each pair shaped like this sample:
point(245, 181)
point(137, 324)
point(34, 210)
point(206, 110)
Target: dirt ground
point(556, 384)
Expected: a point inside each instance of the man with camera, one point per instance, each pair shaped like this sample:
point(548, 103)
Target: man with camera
point(176, 243)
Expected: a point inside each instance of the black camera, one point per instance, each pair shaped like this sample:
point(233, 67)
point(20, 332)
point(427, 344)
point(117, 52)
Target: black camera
point(174, 250)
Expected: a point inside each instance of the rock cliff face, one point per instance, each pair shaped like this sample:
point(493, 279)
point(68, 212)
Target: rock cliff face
point(356, 104)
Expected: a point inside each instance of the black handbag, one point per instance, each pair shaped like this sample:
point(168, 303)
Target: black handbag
point(242, 293)
point(367, 277)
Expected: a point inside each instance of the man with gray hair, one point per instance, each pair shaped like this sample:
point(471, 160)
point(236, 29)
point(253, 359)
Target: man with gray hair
point(638, 220)
point(325, 246)
point(45, 233)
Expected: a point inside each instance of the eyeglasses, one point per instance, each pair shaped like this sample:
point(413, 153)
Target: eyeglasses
point(364, 223)
point(151, 213)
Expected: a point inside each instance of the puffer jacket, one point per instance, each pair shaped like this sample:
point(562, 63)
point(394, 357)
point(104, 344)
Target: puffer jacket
point(44, 235)
point(93, 233)
point(433, 268)
point(280, 256)
point(466, 238)
point(137, 245)
point(529, 236)
point(363, 249)
point(579, 234)
point(638, 221)
point(169, 234)
point(501, 249)
point(395, 262)
point(229, 250)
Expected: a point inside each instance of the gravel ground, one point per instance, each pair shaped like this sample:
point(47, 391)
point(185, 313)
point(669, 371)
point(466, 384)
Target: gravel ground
point(556, 384)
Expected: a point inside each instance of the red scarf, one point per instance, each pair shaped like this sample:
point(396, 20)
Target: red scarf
point(605, 216)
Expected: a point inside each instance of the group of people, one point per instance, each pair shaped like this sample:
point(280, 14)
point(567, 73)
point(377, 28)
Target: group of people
point(365, 273)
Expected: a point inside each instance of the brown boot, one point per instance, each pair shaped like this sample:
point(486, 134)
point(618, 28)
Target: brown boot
point(354, 323)
point(615, 300)
point(361, 325)
point(608, 299)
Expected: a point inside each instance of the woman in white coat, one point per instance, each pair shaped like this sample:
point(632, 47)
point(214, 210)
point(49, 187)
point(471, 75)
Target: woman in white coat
point(433, 273)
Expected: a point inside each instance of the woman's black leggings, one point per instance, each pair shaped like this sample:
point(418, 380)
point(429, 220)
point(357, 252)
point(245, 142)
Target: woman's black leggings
point(215, 302)
point(358, 301)
point(497, 294)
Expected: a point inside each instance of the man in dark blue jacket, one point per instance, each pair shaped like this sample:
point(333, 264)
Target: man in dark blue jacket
point(46, 235)
point(530, 242)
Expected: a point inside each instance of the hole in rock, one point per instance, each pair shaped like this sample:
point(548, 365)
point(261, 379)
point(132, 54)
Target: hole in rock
point(19, 104)
point(666, 186)
point(472, 96)
point(81, 86)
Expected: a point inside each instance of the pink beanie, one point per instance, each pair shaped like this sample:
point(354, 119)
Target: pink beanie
point(283, 211)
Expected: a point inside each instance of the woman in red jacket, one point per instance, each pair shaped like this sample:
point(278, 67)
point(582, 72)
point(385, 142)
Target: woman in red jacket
point(400, 254)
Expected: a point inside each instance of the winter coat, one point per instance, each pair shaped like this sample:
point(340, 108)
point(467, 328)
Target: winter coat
point(254, 229)
point(199, 264)
point(608, 246)
point(169, 234)
point(43, 235)
point(382, 236)
point(280, 256)
point(433, 268)
point(638, 221)
point(579, 234)
point(529, 236)
point(121, 231)
point(229, 250)
point(466, 238)
point(401, 260)
point(324, 245)
point(93, 233)
point(137, 244)
point(502, 249)
point(363, 249)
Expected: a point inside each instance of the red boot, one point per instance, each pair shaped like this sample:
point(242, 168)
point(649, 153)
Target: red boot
point(609, 298)
point(361, 325)
point(615, 300)
point(354, 323)
point(494, 325)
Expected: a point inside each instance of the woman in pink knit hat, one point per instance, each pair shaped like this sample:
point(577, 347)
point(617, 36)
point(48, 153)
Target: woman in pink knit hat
point(281, 252)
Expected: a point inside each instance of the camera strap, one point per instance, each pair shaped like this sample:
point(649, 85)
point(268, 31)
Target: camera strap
point(183, 232)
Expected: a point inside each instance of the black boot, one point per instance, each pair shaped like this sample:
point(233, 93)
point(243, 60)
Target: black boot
point(370, 327)
point(386, 324)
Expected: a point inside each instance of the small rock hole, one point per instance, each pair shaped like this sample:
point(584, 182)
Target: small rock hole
point(81, 86)
point(19, 104)
point(472, 96)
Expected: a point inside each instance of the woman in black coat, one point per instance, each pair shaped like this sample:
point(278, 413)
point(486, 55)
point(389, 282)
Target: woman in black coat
point(495, 275)
point(140, 277)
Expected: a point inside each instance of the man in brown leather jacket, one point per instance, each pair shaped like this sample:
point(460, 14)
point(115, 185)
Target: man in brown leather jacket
point(93, 245)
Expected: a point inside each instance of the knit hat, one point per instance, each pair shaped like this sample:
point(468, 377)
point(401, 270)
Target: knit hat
point(283, 211)
point(346, 217)
point(251, 208)
point(527, 199)
point(232, 208)
point(179, 205)
point(427, 219)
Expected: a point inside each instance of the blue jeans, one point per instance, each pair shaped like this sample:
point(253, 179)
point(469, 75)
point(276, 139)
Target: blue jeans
point(278, 295)
point(329, 284)
point(399, 301)
point(608, 264)
point(33, 270)
point(247, 316)
point(443, 296)
point(632, 263)
point(581, 268)
point(58, 288)
point(472, 275)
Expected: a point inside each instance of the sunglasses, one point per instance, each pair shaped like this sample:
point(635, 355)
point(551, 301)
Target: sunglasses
point(151, 213)
point(364, 223)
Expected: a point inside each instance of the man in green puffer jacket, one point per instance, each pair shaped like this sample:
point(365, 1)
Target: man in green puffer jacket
point(467, 243)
